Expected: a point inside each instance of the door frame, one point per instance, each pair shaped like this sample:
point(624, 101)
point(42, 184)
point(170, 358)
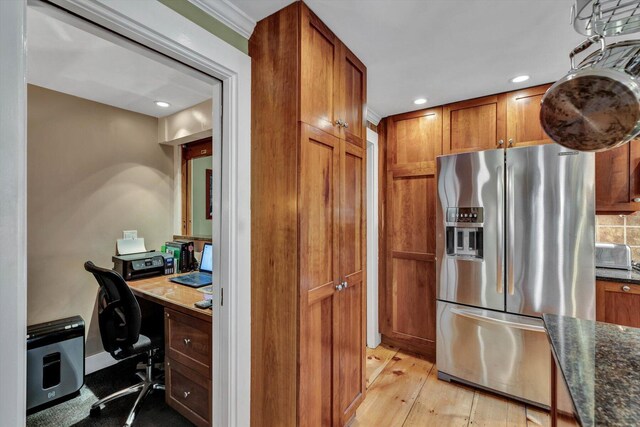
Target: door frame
point(13, 212)
point(154, 25)
point(373, 328)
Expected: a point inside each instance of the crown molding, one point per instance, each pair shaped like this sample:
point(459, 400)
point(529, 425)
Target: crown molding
point(229, 14)
point(373, 117)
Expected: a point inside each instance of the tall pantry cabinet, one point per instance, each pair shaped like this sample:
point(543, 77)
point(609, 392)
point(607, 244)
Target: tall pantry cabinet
point(308, 223)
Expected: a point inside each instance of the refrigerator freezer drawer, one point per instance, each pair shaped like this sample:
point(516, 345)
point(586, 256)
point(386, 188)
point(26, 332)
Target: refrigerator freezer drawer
point(503, 352)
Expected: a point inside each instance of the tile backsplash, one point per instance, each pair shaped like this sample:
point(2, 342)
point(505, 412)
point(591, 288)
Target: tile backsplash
point(620, 229)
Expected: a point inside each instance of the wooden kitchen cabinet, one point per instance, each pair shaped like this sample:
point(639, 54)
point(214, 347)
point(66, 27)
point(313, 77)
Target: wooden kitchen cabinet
point(523, 117)
point(474, 125)
point(308, 222)
point(319, 72)
point(618, 303)
point(333, 82)
point(408, 306)
point(505, 120)
point(331, 224)
point(351, 95)
point(618, 179)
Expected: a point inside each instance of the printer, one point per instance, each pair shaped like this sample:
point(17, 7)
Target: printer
point(145, 264)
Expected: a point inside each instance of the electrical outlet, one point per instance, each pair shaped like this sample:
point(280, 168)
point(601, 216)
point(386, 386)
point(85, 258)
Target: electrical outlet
point(130, 234)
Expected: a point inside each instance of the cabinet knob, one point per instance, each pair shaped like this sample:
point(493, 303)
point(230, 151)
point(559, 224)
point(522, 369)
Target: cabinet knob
point(511, 142)
point(187, 341)
point(345, 125)
point(186, 394)
point(637, 200)
point(345, 284)
point(339, 122)
point(626, 288)
point(501, 143)
point(339, 287)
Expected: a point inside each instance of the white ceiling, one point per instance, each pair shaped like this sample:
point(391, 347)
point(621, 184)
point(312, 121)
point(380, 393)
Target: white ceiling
point(445, 50)
point(67, 59)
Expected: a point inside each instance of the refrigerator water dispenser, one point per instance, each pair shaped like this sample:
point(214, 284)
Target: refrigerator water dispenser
point(464, 235)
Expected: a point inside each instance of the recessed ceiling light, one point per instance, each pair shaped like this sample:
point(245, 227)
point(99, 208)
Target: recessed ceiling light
point(162, 104)
point(519, 79)
point(420, 101)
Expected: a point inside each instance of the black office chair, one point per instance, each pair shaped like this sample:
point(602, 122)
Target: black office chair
point(120, 319)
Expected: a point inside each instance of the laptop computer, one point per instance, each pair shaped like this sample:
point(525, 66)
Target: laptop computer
point(203, 276)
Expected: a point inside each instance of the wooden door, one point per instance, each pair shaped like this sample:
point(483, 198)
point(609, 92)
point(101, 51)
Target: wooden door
point(351, 98)
point(319, 69)
point(474, 125)
point(409, 306)
point(318, 228)
point(618, 303)
point(523, 117)
point(350, 302)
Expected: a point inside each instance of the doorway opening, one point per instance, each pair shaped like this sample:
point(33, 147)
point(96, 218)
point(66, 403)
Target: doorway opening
point(109, 121)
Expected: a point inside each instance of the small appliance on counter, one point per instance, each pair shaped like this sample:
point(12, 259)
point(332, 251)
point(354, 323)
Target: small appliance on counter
point(55, 361)
point(186, 260)
point(611, 255)
point(145, 264)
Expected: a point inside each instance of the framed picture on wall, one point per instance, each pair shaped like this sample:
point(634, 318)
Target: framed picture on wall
point(209, 204)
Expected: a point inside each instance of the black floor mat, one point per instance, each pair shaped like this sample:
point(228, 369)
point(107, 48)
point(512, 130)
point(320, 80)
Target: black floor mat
point(75, 412)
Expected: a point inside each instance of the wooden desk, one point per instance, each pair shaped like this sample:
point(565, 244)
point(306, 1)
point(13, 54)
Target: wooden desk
point(161, 290)
point(187, 337)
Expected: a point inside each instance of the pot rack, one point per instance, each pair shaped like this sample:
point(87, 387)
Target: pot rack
point(606, 17)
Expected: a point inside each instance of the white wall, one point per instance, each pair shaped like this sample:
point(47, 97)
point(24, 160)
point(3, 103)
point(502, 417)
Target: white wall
point(373, 331)
point(13, 212)
point(93, 171)
point(187, 125)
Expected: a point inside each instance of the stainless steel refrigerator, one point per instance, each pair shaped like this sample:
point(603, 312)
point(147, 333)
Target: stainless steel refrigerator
point(515, 239)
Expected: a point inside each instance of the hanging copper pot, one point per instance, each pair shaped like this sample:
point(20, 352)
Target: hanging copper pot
point(596, 106)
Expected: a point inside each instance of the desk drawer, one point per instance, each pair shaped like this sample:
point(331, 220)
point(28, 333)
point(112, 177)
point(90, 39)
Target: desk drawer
point(188, 392)
point(188, 341)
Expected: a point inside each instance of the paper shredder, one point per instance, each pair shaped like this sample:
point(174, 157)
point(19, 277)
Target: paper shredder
point(55, 361)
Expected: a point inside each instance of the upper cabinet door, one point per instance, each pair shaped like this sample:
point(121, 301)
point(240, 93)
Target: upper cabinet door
point(523, 117)
point(618, 179)
point(478, 124)
point(352, 97)
point(319, 82)
point(415, 140)
point(612, 177)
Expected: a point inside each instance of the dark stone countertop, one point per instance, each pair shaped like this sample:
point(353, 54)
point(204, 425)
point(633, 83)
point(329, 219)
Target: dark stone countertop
point(600, 363)
point(624, 276)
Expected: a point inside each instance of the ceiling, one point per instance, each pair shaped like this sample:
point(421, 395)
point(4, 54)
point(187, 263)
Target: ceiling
point(445, 50)
point(67, 59)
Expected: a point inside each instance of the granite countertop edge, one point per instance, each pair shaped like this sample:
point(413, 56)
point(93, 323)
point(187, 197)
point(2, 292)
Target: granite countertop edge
point(599, 362)
point(622, 276)
point(577, 410)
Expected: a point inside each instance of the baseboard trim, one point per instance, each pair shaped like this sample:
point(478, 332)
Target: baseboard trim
point(424, 348)
point(98, 361)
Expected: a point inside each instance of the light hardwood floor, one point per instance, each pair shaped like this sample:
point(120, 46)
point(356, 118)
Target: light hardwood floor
point(403, 390)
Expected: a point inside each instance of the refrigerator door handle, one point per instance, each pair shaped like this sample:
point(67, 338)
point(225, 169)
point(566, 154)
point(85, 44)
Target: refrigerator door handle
point(502, 322)
point(510, 230)
point(500, 229)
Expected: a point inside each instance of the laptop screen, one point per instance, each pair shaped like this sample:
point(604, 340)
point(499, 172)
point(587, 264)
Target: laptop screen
point(207, 259)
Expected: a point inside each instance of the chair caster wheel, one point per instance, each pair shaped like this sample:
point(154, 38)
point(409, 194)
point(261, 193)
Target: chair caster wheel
point(94, 412)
